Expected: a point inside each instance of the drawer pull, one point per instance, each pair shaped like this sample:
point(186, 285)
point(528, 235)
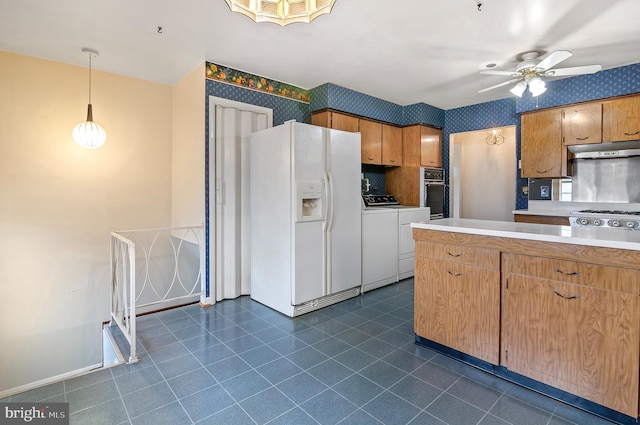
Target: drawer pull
point(543, 171)
point(582, 138)
point(573, 297)
point(566, 273)
point(454, 274)
point(631, 134)
point(454, 255)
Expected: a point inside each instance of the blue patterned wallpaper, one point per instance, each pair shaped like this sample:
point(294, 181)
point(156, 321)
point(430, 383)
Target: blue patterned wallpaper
point(346, 100)
point(421, 113)
point(498, 113)
point(603, 84)
point(375, 174)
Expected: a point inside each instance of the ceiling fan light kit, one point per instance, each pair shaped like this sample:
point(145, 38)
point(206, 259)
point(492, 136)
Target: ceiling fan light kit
point(530, 72)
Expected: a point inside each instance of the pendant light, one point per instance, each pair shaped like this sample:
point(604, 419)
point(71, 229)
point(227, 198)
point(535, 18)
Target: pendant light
point(281, 12)
point(89, 134)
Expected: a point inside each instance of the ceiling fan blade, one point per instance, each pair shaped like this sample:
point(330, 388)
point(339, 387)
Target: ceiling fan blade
point(507, 73)
point(499, 85)
point(578, 70)
point(553, 59)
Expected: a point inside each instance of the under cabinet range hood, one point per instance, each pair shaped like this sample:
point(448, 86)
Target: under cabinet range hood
point(607, 150)
point(608, 178)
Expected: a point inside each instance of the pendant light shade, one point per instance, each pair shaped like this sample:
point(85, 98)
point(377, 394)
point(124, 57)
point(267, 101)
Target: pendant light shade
point(281, 12)
point(89, 134)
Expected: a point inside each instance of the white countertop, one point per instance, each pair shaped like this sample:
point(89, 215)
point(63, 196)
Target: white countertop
point(590, 236)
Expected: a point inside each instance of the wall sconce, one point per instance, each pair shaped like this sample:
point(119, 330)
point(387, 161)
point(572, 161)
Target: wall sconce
point(495, 137)
point(281, 12)
point(89, 134)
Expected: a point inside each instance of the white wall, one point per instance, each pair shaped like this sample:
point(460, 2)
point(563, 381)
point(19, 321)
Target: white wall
point(59, 202)
point(483, 176)
point(188, 152)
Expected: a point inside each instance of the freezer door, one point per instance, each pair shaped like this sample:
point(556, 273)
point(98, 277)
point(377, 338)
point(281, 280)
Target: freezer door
point(308, 263)
point(344, 216)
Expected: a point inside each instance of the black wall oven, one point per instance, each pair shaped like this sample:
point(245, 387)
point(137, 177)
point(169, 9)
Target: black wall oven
point(433, 189)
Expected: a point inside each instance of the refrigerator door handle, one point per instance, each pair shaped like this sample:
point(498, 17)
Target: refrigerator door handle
point(327, 201)
point(330, 218)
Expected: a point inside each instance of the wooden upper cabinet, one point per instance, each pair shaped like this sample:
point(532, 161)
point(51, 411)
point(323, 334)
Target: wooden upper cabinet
point(336, 120)
point(391, 145)
point(431, 147)
point(582, 124)
point(543, 154)
point(371, 147)
point(421, 146)
point(621, 119)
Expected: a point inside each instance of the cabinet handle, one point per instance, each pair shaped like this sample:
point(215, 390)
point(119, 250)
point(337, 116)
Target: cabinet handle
point(454, 274)
point(542, 172)
point(631, 134)
point(392, 160)
point(566, 273)
point(370, 159)
point(454, 255)
point(582, 138)
point(573, 297)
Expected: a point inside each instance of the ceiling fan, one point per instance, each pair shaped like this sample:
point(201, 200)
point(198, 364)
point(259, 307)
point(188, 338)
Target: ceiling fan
point(530, 72)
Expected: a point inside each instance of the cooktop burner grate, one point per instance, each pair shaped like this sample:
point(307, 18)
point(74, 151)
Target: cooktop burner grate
point(617, 212)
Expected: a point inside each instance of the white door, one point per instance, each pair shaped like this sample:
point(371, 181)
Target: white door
point(230, 124)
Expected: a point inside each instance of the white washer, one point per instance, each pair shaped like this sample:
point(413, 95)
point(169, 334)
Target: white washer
point(379, 247)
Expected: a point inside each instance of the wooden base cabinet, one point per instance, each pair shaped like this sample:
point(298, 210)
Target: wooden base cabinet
point(457, 298)
point(559, 318)
point(573, 326)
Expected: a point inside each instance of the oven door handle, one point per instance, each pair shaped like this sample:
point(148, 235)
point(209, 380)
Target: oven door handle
point(427, 183)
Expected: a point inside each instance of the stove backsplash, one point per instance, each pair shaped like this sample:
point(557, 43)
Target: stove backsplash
point(606, 180)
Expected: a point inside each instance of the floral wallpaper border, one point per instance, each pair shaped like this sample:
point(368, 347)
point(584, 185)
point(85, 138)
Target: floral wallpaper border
point(244, 79)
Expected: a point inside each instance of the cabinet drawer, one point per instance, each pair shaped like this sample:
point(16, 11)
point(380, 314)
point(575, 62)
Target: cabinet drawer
point(486, 258)
point(603, 277)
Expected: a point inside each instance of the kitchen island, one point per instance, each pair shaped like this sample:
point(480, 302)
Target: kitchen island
point(553, 308)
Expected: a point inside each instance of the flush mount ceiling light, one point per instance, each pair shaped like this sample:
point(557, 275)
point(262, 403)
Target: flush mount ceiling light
point(282, 12)
point(495, 137)
point(89, 134)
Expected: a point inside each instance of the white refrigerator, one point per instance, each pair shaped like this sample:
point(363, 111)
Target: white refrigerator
point(305, 217)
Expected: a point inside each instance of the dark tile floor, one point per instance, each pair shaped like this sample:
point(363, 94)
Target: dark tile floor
point(355, 362)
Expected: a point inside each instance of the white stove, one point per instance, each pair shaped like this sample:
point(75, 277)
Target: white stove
point(614, 219)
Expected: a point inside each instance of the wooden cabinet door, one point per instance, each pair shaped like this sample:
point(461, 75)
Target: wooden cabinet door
point(331, 119)
point(322, 119)
point(345, 122)
point(459, 306)
point(582, 124)
point(543, 154)
point(580, 339)
point(621, 119)
point(391, 145)
point(431, 147)
point(371, 147)
point(411, 146)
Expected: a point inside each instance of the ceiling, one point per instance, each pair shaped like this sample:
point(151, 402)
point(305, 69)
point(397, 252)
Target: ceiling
point(406, 51)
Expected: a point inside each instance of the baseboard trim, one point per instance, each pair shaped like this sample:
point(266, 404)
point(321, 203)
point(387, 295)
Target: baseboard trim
point(52, 380)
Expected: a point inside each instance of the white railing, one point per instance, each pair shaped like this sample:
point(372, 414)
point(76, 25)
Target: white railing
point(153, 269)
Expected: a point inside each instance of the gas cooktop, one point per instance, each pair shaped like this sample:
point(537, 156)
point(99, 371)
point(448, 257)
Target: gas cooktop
point(379, 200)
point(616, 219)
point(608, 212)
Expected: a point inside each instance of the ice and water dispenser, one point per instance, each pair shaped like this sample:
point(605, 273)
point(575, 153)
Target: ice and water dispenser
point(309, 201)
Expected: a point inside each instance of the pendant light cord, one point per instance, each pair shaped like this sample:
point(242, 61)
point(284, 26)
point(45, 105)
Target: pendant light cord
point(90, 54)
